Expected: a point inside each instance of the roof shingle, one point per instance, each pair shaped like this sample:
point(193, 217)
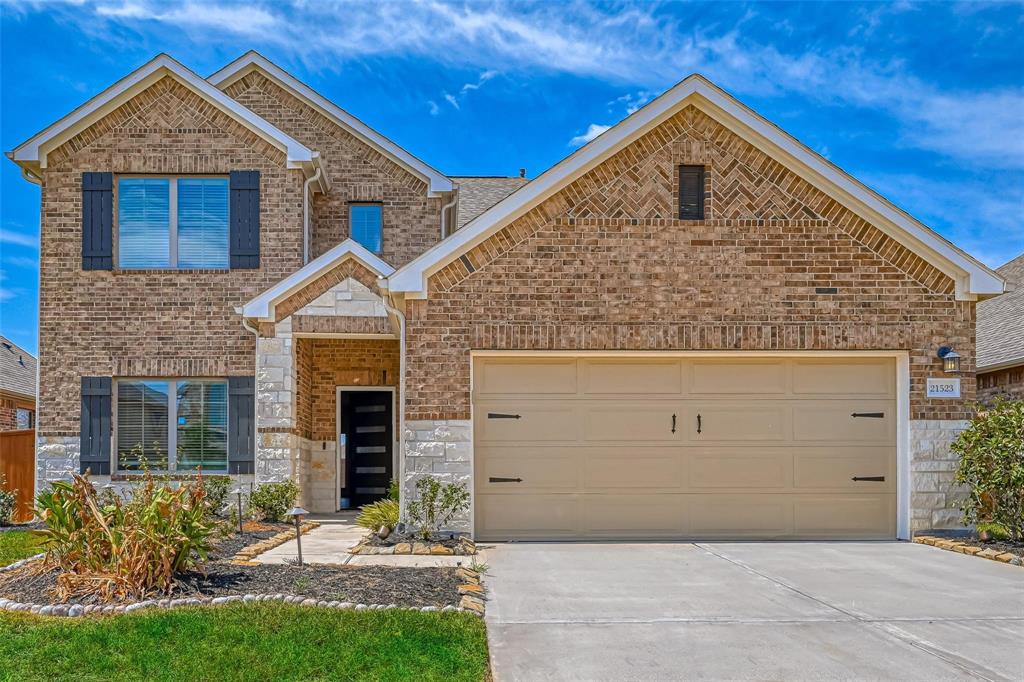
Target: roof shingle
point(17, 369)
point(477, 194)
point(1000, 333)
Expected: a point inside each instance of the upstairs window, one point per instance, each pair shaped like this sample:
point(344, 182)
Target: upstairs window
point(176, 425)
point(366, 225)
point(691, 192)
point(172, 222)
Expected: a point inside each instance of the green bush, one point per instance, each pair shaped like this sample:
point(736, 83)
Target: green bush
point(272, 501)
point(376, 514)
point(122, 549)
point(8, 502)
point(991, 451)
point(216, 492)
point(436, 505)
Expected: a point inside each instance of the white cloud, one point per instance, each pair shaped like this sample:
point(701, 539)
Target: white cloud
point(434, 109)
point(17, 238)
point(239, 19)
point(484, 77)
point(592, 131)
point(451, 100)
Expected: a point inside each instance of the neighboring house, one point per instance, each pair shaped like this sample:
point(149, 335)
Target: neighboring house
point(1001, 338)
point(693, 326)
point(17, 387)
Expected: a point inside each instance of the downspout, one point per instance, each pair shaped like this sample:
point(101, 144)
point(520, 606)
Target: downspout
point(36, 180)
point(444, 209)
point(305, 214)
point(389, 305)
point(255, 396)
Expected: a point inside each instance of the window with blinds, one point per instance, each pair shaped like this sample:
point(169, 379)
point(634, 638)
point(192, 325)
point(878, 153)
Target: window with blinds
point(691, 192)
point(366, 225)
point(174, 425)
point(172, 222)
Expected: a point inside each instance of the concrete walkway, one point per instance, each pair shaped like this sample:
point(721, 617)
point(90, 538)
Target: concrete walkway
point(329, 544)
point(751, 611)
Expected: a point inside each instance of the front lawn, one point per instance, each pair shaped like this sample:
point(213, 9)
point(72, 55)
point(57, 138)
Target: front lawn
point(246, 642)
point(18, 544)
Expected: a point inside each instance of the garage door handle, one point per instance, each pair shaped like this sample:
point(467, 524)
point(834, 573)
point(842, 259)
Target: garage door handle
point(868, 478)
point(698, 423)
point(869, 415)
point(499, 415)
point(495, 479)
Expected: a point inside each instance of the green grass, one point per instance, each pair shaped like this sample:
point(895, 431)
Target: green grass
point(259, 642)
point(18, 544)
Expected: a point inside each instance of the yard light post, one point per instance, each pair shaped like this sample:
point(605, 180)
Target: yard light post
point(297, 513)
point(238, 492)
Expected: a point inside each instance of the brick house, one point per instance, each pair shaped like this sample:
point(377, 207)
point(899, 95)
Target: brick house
point(693, 326)
point(17, 387)
point(1001, 338)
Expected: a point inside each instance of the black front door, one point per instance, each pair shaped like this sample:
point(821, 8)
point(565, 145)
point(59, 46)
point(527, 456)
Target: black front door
point(368, 425)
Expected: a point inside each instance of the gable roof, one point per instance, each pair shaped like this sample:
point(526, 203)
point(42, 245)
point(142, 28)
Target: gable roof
point(1000, 332)
point(252, 60)
point(262, 307)
point(17, 370)
point(479, 193)
point(971, 277)
point(32, 153)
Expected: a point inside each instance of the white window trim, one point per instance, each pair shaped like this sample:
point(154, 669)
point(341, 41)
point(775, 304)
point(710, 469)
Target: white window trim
point(172, 426)
point(172, 216)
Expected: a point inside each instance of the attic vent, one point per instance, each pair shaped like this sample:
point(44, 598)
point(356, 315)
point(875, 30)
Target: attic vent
point(21, 360)
point(8, 346)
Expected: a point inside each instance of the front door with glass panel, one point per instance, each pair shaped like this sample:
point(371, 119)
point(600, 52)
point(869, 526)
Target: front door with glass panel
point(367, 424)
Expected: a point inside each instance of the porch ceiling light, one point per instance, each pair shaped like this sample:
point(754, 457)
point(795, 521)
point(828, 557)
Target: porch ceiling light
point(950, 360)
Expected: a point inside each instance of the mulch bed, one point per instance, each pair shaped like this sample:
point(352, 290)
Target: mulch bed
point(358, 584)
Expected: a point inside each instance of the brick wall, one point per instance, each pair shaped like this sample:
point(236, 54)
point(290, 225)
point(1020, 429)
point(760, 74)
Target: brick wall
point(1008, 383)
point(606, 264)
point(325, 364)
point(153, 323)
point(357, 172)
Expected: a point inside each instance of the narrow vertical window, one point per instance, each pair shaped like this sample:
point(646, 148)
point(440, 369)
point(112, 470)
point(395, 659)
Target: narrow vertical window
point(202, 423)
point(366, 225)
point(143, 223)
point(202, 223)
point(142, 421)
point(691, 192)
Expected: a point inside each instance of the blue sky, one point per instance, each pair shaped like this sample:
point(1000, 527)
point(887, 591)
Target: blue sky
point(925, 103)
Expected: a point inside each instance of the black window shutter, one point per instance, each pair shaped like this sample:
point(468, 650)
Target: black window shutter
point(95, 432)
point(691, 192)
point(241, 424)
point(97, 221)
point(245, 219)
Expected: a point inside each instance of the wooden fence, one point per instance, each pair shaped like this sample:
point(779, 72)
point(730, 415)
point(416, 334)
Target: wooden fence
point(17, 464)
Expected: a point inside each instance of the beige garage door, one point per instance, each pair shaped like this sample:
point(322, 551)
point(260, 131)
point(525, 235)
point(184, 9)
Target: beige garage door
point(604, 447)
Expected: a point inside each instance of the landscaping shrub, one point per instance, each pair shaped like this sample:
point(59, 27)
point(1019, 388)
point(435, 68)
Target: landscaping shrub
point(991, 451)
point(436, 505)
point(376, 514)
point(216, 492)
point(8, 502)
point(271, 501)
point(122, 549)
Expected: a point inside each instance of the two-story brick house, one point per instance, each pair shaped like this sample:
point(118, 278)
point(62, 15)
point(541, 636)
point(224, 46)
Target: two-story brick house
point(693, 326)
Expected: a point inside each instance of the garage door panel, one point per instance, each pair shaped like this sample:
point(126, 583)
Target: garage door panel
point(538, 467)
point(746, 377)
point(857, 516)
point(724, 422)
point(834, 421)
point(635, 515)
point(525, 422)
point(869, 376)
point(637, 468)
point(736, 516)
point(528, 515)
point(525, 377)
point(631, 422)
point(639, 377)
point(740, 468)
point(835, 468)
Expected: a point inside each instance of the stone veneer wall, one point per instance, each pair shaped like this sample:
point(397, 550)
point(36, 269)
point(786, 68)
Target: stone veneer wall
point(934, 496)
point(443, 449)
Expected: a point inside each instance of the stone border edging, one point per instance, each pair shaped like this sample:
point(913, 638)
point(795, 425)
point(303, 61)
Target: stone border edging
point(970, 550)
point(22, 562)
point(247, 555)
point(418, 548)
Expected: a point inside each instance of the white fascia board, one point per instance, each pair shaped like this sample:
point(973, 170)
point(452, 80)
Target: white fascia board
point(436, 181)
point(33, 151)
point(971, 277)
point(262, 307)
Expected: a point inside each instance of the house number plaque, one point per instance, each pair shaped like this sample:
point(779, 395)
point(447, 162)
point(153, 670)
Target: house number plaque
point(943, 388)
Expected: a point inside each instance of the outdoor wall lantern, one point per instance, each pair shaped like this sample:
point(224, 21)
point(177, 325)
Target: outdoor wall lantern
point(950, 360)
point(297, 513)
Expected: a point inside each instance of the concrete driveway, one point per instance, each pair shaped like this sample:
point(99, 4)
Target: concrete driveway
point(751, 611)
